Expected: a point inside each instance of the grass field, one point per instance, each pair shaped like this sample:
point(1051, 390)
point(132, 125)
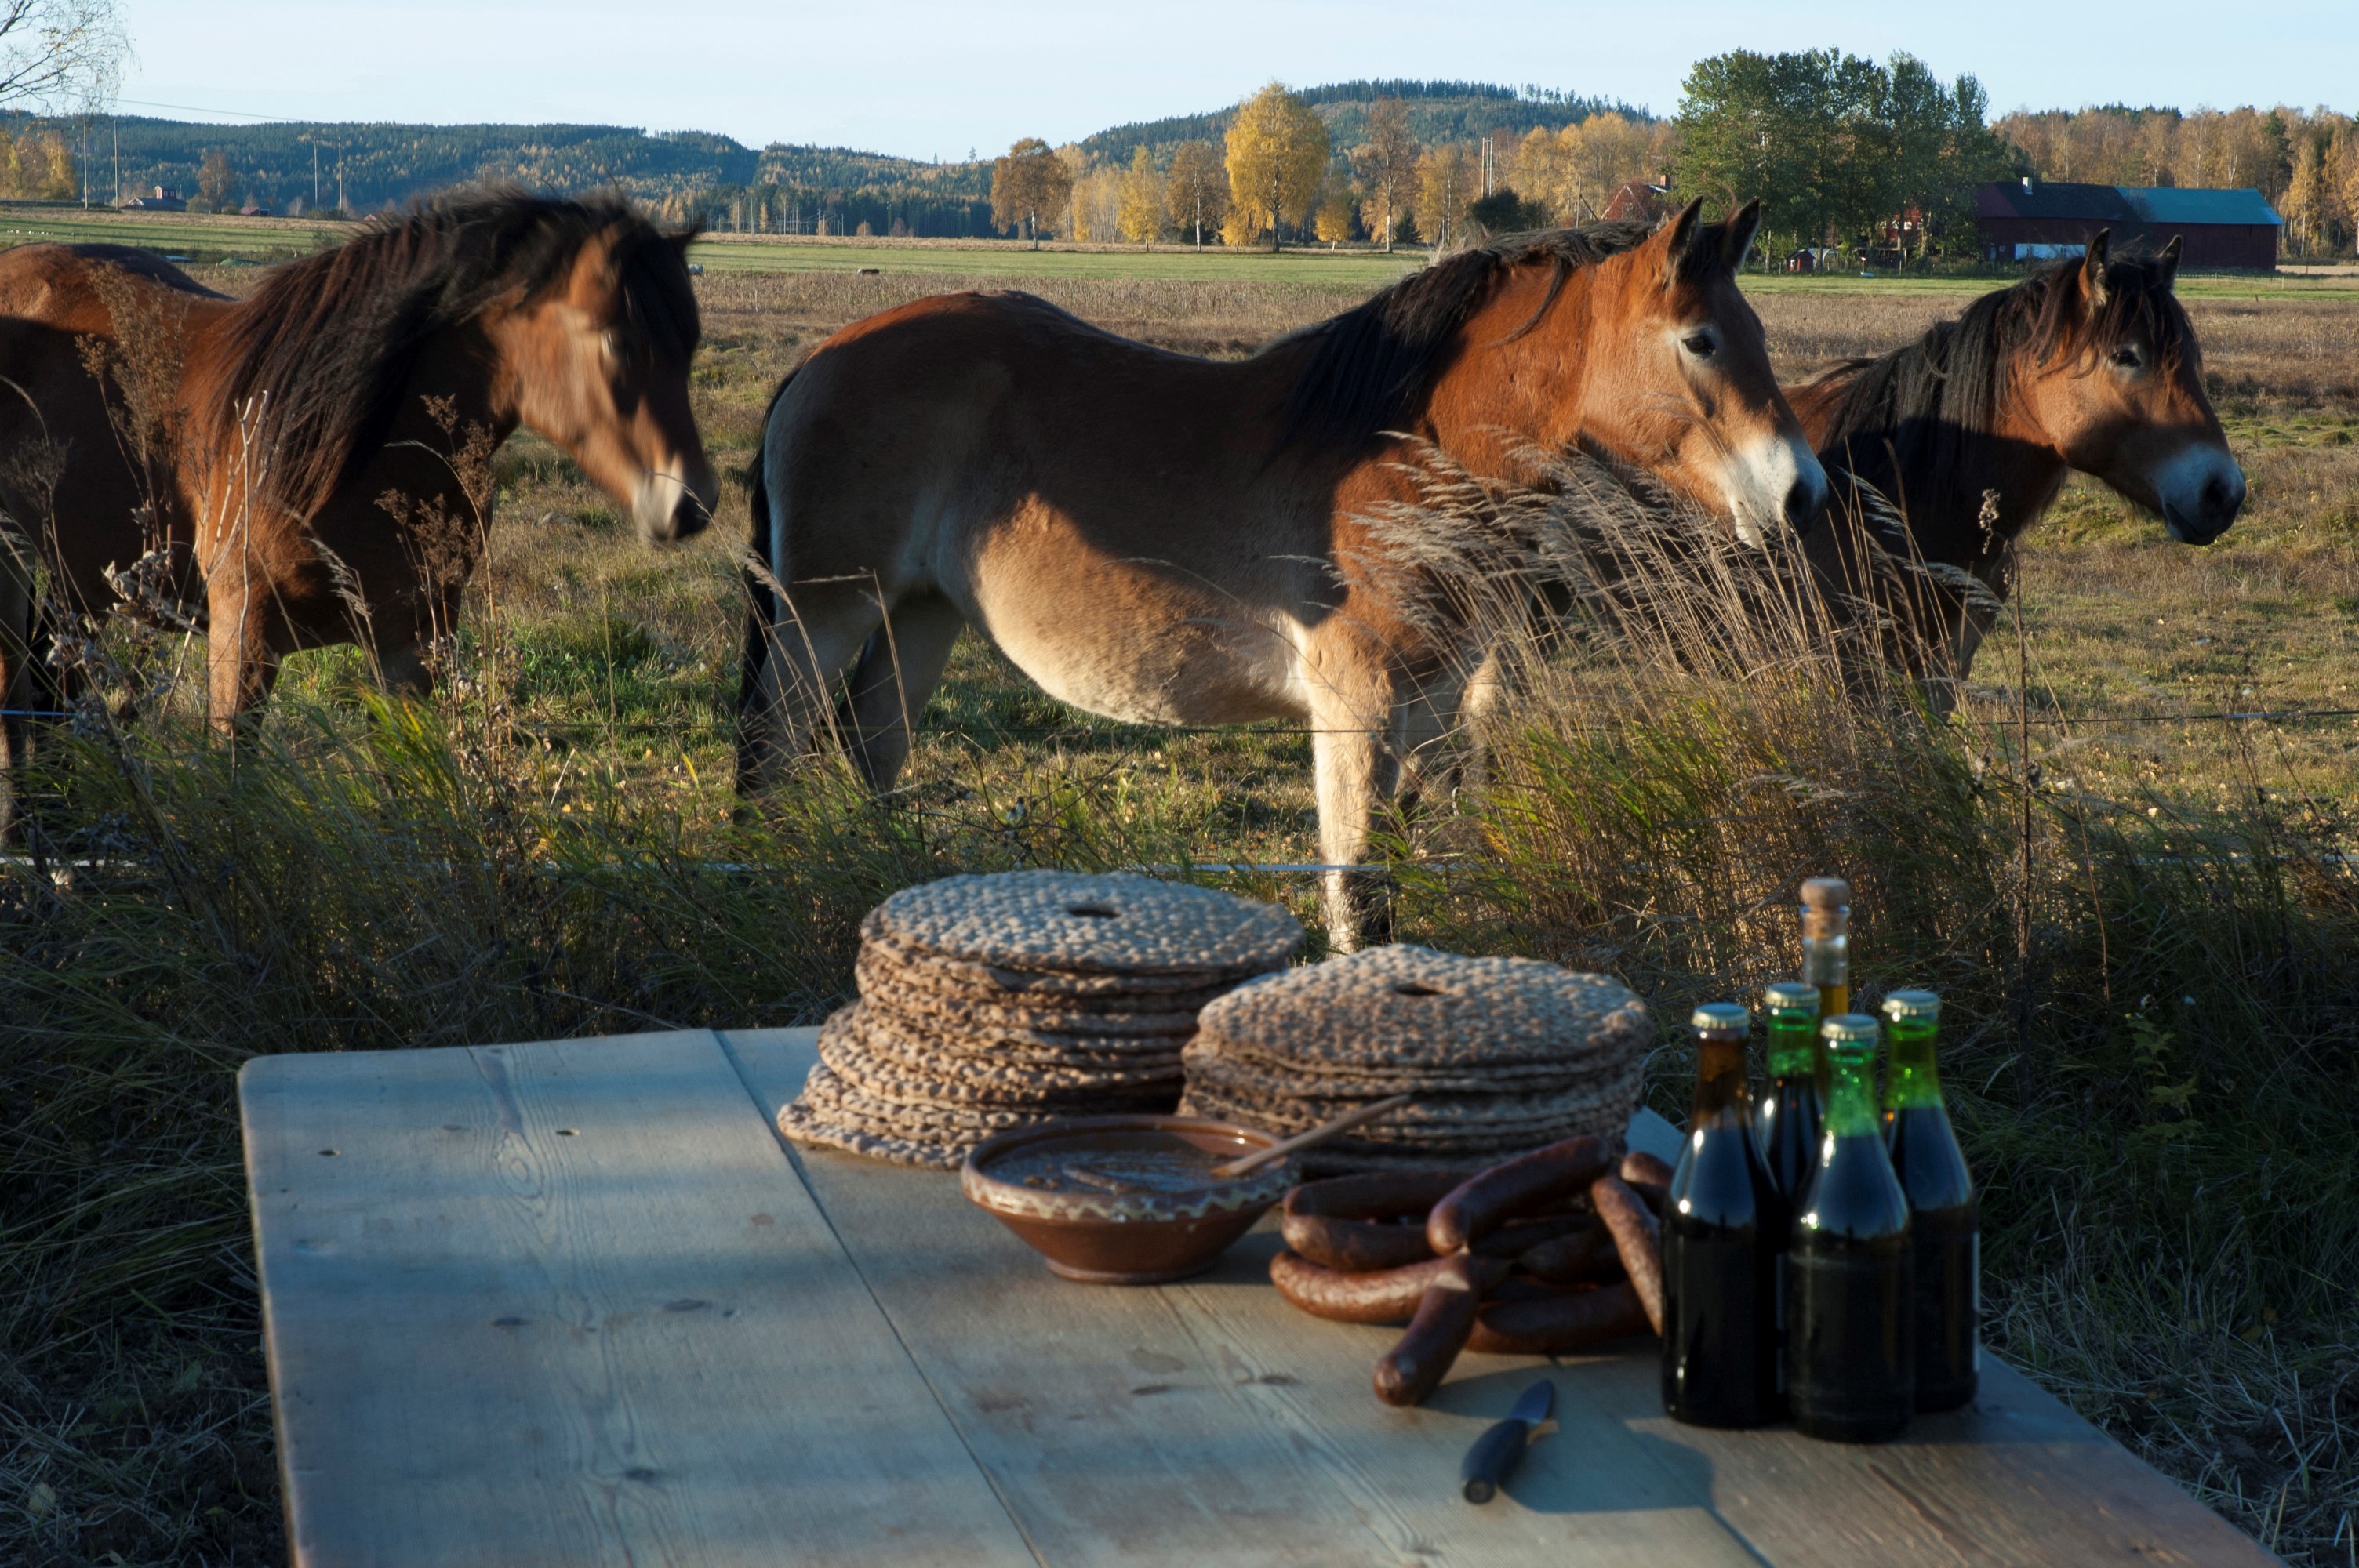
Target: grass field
point(2154, 1028)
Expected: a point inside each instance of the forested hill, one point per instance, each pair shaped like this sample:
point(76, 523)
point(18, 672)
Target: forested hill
point(1438, 111)
point(687, 173)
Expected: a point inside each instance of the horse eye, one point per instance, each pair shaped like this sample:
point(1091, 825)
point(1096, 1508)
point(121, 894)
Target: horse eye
point(1700, 344)
point(2127, 357)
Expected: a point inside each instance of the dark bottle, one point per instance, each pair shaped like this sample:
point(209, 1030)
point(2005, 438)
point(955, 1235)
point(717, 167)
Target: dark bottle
point(1722, 1226)
point(1850, 1374)
point(1944, 1213)
point(1826, 945)
point(1787, 1125)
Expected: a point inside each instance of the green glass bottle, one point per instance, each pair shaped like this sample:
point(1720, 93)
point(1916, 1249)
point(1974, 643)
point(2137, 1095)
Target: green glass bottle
point(1723, 1223)
point(1787, 1125)
point(1944, 1211)
point(1850, 1374)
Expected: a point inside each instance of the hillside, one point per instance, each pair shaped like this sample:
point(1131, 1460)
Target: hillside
point(695, 173)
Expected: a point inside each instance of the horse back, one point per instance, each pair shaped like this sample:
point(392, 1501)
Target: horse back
point(58, 285)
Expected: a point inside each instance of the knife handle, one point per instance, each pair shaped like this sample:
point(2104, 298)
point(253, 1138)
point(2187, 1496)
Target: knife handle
point(1495, 1454)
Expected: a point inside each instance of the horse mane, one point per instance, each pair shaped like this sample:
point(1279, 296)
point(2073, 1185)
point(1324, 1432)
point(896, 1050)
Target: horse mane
point(324, 349)
point(1373, 363)
point(1909, 421)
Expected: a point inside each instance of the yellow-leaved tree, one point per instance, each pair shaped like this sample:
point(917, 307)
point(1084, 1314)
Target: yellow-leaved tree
point(1388, 162)
point(1197, 190)
point(1030, 184)
point(1445, 184)
point(1142, 200)
point(1277, 157)
point(1332, 221)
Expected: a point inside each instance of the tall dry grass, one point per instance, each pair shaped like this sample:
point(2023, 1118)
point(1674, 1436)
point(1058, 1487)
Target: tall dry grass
point(2152, 1016)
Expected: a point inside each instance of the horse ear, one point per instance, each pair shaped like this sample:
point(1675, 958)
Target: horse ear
point(1736, 234)
point(1678, 238)
point(2169, 260)
point(2092, 268)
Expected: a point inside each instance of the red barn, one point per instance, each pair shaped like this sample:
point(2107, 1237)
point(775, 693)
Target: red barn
point(2026, 220)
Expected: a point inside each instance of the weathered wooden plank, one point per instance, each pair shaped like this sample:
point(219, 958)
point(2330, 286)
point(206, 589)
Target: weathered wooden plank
point(566, 1303)
point(1209, 1421)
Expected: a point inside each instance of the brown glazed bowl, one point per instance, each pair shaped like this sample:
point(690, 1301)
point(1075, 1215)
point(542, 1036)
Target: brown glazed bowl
point(1137, 1237)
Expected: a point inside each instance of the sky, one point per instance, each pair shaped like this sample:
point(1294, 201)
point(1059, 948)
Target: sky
point(925, 78)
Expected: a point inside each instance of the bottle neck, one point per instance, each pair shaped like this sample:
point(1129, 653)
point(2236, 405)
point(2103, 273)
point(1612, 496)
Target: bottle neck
point(1720, 1093)
point(1793, 1044)
point(1912, 1081)
point(1826, 961)
point(1850, 1096)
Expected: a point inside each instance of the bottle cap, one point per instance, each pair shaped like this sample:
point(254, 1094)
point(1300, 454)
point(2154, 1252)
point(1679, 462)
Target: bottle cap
point(1848, 1028)
point(1721, 1018)
point(1791, 994)
point(1826, 892)
point(1912, 1004)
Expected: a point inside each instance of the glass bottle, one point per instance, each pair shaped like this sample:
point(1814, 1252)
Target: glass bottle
point(1785, 1127)
point(1944, 1211)
point(1723, 1223)
point(1826, 945)
point(1850, 1374)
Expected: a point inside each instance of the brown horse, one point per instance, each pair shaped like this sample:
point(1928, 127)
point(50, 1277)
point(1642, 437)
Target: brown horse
point(1164, 539)
point(2088, 365)
point(313, 457)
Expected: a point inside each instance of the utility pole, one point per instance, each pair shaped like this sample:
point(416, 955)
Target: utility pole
point(118, 165)
point(1490, 160)
point(347, 212)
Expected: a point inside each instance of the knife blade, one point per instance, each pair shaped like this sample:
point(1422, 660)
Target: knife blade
point(1497, 1452)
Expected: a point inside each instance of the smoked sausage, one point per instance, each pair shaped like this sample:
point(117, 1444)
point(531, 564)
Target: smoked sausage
point(1355, 1246)
point(1648, 1176)
point(1585, 1255)
point(1549, 1324)
point(1342, 1222)
point(1490, 1198)
point(1637, 1237)
point(1381, 1194)
point(1388, 1296)
point(1515, 1240)
point(1445, 1317)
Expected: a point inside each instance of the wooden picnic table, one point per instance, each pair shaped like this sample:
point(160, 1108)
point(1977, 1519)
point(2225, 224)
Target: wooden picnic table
point(574, 1302)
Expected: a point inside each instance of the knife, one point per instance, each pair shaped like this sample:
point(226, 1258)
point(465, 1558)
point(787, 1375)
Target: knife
point(1497, 1452)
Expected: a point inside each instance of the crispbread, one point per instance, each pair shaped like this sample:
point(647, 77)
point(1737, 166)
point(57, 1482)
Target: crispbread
point(1249, 1074)
point(1404, 1005)
point(859, 1056)
point(798, 1122)
point(1073, 924)
point(891, 964)
point(946, 1012)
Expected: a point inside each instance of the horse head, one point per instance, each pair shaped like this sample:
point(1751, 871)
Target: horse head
point(1682, 380)
point(2119, 394)
point(599, 365)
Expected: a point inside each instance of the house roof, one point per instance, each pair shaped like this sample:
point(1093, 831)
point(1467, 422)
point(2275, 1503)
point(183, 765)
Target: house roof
point(2144, 204)
point(2161, 204)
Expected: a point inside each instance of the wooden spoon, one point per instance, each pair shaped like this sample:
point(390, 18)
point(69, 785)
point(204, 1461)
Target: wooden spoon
point(1318, 1134)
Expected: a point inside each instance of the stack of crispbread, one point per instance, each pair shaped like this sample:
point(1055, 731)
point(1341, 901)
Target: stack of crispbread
point(989, 1002)
point(1502, 1054)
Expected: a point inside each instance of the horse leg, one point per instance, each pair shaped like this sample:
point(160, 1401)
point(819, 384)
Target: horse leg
point(1355, 769)
point(241, 667)
point(18, 684)
point(898, 671)
point(800, 647)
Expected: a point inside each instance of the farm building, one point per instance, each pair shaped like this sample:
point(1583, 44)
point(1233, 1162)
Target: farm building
point(2021, 221)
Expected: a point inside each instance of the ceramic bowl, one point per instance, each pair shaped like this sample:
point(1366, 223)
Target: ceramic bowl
point(1139, 1237)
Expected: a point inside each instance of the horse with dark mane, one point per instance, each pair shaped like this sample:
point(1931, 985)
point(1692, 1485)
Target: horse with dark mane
point(311, 459)
point(2088, 365)
point(1164, 539)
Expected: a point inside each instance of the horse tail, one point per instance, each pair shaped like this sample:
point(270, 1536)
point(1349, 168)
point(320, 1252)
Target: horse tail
point(761, 611)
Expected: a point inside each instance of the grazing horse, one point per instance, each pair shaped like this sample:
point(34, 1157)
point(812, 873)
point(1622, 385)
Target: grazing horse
point(1164, 539)
point(315, 456)
point(2088, 364)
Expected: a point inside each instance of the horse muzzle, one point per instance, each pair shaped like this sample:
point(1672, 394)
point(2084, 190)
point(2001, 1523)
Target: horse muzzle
point(669, 506)
point(2200, 495)
point(1777, 481)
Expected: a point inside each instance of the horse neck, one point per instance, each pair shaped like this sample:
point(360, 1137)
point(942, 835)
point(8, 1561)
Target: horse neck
point(1515, 381)
point(1944, 511)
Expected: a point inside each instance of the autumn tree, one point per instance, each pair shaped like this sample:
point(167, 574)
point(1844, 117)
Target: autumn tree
point(1277, 157)
point(1386, 161)
point(1445, 183)
point(62, 55)
point(1332, 220)
point(214, 178)
point(2306, 197)
point(1196, 192)
point(1029, 184)
point(1142, 200)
